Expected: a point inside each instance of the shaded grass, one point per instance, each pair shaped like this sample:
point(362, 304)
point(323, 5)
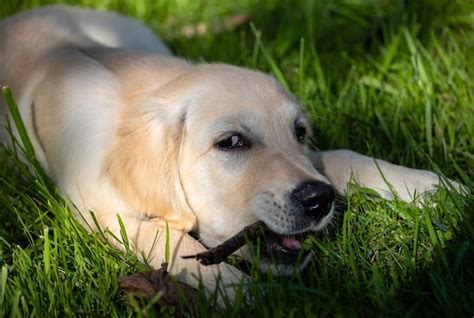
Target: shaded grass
point(389, 79)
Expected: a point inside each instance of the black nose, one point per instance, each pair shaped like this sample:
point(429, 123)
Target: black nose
point(315, 197)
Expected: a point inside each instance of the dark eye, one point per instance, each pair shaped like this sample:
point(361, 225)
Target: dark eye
point(236, 141)
point(300, 134)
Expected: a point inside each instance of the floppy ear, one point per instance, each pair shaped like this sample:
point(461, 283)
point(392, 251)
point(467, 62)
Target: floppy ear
point(143, 164)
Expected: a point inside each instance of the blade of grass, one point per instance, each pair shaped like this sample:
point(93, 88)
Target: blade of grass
point(26, 142)
point(20, 125)
point(3, 284)
point(167, 244)
point(273, 66)
point(46, 253)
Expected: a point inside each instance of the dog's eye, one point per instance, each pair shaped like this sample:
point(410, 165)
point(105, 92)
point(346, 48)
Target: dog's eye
point(236, 141)
point(300, 134)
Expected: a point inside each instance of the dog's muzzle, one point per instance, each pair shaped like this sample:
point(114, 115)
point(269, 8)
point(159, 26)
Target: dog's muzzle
point(313, 200)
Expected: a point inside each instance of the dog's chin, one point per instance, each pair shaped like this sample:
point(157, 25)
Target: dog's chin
point(284, 268)
point(283, 254)
point(279, 254)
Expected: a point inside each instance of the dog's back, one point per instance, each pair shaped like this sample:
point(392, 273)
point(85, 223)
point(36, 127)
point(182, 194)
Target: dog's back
point(27, 37)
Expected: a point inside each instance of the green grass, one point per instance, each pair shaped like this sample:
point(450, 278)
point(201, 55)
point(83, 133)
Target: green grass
point(392, 79)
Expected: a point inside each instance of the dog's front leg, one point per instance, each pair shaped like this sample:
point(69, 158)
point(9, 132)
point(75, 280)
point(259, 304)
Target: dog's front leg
point(343, 166)
point(149, 237)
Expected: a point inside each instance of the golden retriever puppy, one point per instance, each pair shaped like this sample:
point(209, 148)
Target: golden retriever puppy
point(126, 130)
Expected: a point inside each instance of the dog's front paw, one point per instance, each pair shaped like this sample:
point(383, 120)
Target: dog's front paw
point(423, 182)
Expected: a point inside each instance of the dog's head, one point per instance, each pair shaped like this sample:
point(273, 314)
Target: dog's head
point(231, 144)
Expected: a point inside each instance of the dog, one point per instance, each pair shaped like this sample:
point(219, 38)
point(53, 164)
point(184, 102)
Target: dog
point(179, 152)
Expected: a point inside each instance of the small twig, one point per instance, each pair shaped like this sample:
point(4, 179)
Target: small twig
point(219, 253)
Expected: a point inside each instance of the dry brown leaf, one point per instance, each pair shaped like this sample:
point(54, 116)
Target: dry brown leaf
point(228, 23)
point(146, 285)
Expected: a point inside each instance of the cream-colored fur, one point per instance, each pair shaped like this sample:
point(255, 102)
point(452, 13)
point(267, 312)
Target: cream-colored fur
point(124, 128)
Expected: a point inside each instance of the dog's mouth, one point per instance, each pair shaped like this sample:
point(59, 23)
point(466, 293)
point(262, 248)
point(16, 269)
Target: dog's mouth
point(261, 242)
point(282, 248)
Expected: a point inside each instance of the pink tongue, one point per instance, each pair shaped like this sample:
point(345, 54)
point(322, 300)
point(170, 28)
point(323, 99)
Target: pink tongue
point(290, 243)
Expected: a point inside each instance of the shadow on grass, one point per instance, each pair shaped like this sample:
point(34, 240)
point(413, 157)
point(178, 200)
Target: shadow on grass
point(341, 31)
point(445, 286)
